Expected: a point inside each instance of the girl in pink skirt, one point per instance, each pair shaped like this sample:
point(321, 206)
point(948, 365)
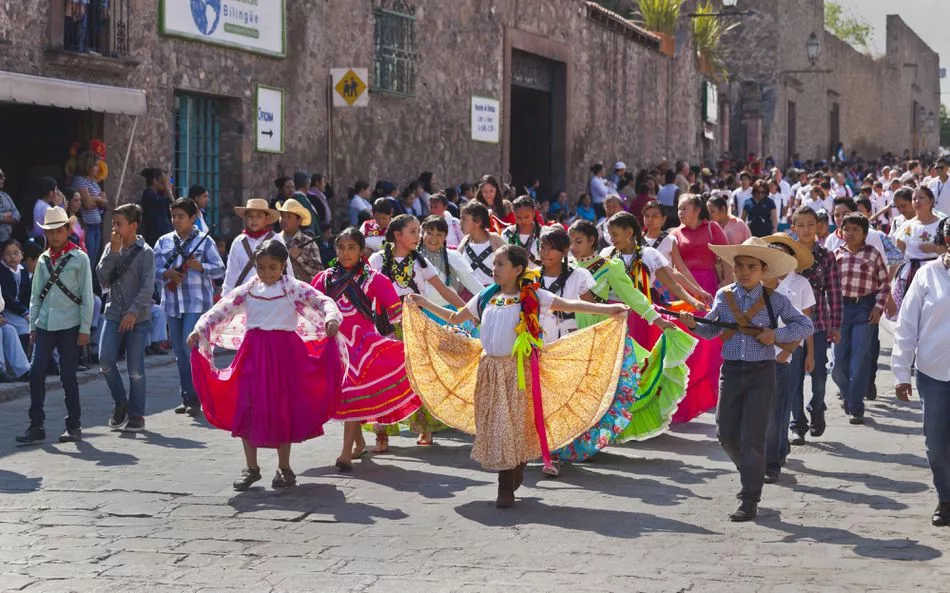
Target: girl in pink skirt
point(277, 391)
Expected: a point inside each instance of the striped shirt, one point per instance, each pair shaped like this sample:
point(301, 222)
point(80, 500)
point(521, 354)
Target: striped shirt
point(57, 311)
point(93, 216)
point(196, 291)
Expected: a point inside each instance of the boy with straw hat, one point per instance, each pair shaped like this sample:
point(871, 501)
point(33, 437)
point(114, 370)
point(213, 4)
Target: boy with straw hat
point(259, 220)
point(303, 248)
point(61, 306)
point(749, 314)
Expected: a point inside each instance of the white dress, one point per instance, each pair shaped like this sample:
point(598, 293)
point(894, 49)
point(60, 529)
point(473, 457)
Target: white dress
point(485, 278)
point(421, 275)
point(498, 322)
point(554, 325)
point(460, 269)
point(651, 258)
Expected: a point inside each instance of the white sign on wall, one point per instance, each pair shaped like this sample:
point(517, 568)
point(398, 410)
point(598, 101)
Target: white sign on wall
point(269, 117)
point(252, 25)
point(710, 102)
point(486, 120)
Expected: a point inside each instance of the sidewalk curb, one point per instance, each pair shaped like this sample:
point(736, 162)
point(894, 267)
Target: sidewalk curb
point(12, 391)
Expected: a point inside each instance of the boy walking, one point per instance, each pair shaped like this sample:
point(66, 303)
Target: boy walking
point(127, 269)
point(747, 381)
point(864, 290)
point(60, 318)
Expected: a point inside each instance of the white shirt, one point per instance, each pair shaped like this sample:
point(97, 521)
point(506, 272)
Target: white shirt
point(579, 282)
point(941, 190)
point(421, 275)
point(651, 258)
point(781, 205)
point(923, 325)
point(497, 324)
point(816, 205)
point(488, 262)
point(875, 239)
point(454, 237)
point(738, 199)
point(237, 259)
point(799, 291)
point(665, 247)
point(599, 188)
point(913, 234)
point(460, 269)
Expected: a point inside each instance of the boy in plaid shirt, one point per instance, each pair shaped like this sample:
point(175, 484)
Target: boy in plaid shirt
point(864, 289)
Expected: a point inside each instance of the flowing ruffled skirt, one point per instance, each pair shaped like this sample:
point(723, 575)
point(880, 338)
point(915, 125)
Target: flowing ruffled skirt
point(702, 393)
point(275, 391)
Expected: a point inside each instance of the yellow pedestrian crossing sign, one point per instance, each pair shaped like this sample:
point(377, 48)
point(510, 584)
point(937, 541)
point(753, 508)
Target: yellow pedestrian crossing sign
point(349, 87)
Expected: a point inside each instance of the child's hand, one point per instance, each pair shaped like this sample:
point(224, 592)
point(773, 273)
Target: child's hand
point(332, 328)
point(193, 339)
point(618, 309)
point(809, 363)
point(663, 324)
point(687, 319)
point(766, 337)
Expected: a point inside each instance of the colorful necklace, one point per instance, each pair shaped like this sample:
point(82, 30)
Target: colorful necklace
point(504, 301)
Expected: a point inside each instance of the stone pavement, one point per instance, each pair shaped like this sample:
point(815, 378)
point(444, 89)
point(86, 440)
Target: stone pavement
point(155, 512)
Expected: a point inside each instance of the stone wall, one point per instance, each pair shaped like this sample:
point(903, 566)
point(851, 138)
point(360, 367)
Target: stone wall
point(625, 100)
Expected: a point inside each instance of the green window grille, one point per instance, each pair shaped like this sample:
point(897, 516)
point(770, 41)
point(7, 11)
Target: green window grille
point(394, 41)
point(198, 149)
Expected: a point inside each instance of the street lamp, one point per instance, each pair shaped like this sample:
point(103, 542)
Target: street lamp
point(813, 47)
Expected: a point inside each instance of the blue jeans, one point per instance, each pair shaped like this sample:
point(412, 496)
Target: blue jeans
point(65, 341)
point(935, 396)
point(819, 377)
point(179, 328)
point(135, 341)
point(159, 331)
point(875, 354)
point(93, 243)
point(852, 371)
point(788, 376)
point(13, 355)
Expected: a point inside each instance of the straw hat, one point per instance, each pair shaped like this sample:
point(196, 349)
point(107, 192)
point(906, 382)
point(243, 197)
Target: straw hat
point(802, 254)
point(258, 204)
point(779, 263)
point(295, 207)
point(55, 217)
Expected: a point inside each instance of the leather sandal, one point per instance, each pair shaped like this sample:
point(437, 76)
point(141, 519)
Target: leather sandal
point(382, 444)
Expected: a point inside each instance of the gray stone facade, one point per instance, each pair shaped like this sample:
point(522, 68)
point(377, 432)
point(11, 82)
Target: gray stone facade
point(875, 97)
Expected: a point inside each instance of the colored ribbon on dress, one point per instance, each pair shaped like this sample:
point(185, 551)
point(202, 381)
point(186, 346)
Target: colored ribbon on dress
point(538, 409)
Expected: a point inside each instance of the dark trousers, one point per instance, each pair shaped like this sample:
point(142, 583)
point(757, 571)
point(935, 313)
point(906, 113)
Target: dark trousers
point(788, 376)
point(65, 342)
point(819, 380)
point(875, 354)
point(746, 400)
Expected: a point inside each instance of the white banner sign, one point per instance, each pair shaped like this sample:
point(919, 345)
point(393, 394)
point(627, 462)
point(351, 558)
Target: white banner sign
point(252, 25)
point(269, 111)
point(486, 120)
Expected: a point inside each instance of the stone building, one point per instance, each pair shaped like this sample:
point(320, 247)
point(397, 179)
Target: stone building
point(782, 105)
point(575, 85)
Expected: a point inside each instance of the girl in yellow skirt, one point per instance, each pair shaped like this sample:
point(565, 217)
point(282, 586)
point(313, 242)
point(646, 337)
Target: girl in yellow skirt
point(483, 386)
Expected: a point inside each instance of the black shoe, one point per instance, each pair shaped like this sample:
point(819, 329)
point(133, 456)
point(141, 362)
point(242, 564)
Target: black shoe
point(818, 424)
point(798, 439)
point(119, 415)
point(248, 477)
point(33, 434)
point(181, 409)
point(71, 435)
point(193, 410)
point(746, 511)
point(856, 420)
point(941, 516)
point(135, 424)
point(872, 393)
point(771, 477)
point(285, 478)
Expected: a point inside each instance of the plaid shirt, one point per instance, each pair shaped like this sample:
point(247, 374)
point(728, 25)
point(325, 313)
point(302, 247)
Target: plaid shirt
point(743, 347)
point(195, 293)
point(863, 272)
point(826, 283)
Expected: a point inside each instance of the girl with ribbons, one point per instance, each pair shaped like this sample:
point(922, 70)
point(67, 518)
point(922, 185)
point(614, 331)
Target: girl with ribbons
point(483, 386)
point(375, 388)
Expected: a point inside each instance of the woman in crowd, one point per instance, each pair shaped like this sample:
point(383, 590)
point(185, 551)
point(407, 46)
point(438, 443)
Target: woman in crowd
point(94, 202)
point(916, 240)
point(360, 209)
point(489, 195)
point(77, 228)
point(199, 194)
point(156, 202)
point(694, 236)
point(736, 229)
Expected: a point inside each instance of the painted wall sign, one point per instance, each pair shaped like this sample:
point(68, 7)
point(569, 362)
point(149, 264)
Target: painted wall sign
point(253, 25)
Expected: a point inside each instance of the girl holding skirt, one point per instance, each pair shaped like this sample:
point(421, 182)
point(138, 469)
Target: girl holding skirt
point(497, 387)
point(276, 391)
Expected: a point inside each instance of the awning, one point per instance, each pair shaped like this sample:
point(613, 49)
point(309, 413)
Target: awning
point(69, 94)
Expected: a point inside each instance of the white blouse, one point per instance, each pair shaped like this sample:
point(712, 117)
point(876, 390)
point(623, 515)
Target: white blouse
point(268, 308)
point(665, 247)
point(461, 270)
point(498, 322)
point(489, 261)
point(913, 234)
point(422, 276)
point(553, 327)
point(651, 257)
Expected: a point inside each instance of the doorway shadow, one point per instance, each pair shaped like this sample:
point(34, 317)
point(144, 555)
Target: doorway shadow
point(885, 549)
point(307, 499)
point(607, 522)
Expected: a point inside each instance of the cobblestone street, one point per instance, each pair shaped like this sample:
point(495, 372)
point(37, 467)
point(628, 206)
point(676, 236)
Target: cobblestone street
point(155, 512)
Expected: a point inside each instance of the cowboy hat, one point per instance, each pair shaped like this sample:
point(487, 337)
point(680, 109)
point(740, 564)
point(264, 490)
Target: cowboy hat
point(55, 218)
point(295, 207)
point(779, 263)
point(802, 253)
point(258, 204)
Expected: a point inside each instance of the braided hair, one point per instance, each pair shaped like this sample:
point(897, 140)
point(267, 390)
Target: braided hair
point(558, 239)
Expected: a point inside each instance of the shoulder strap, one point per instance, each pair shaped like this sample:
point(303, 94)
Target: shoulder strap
point(180, 247)
point(123, 266)
point(54, 280)
point(245, 243)
point(767, 295)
